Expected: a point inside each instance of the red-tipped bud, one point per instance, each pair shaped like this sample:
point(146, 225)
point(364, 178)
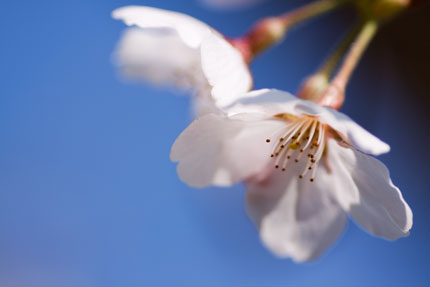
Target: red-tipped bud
point(313, 87)
point(264, 34)
point(333, 96)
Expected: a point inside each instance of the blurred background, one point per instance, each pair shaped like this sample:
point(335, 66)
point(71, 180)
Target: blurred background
point(89, 197)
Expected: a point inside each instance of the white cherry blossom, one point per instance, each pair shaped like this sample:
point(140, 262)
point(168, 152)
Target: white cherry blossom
point(174, 49)
point(305, 167)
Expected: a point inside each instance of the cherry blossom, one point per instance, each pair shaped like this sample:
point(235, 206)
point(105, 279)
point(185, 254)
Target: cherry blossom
point(306, 167)
point(173, 49)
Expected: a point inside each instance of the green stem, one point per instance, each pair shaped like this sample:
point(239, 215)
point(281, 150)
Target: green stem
point(310, 10)
point(334, 95)
point(331, 63)
point(272, 30)
point(315, 85)
point(367, 31)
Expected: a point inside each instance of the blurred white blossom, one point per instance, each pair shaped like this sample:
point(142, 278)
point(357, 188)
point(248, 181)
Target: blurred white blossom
point(169, 48)
point(305, 167)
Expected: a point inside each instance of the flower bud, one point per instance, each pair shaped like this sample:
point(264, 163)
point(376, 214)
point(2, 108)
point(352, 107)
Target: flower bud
point(333, 96)
point(265, 33)
point(313, 87)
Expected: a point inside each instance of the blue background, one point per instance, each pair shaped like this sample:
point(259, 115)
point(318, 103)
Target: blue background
point(88, 196)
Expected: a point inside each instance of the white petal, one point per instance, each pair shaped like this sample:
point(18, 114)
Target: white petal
point(297, 218)
point(225, 70)
point(191, 30)
point(275, 102)
point(350, 130)
point(265, 101)
point(202, 104)
point(342, 186)
point(374, 202)
point(160, 58)
point(217, 150)
point(356, 135)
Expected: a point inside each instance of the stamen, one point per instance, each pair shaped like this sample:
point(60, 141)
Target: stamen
point(320, 149)
point(304, 137)
point(290, 131)
point(313, 175)
point(300, 156)
point(268, 140)
point(311, 134)
point(287, 157)
point(304, 129)
point(321, 142)
point(278, 159)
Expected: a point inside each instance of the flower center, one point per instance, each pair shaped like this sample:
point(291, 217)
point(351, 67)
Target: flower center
point(304, 137)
